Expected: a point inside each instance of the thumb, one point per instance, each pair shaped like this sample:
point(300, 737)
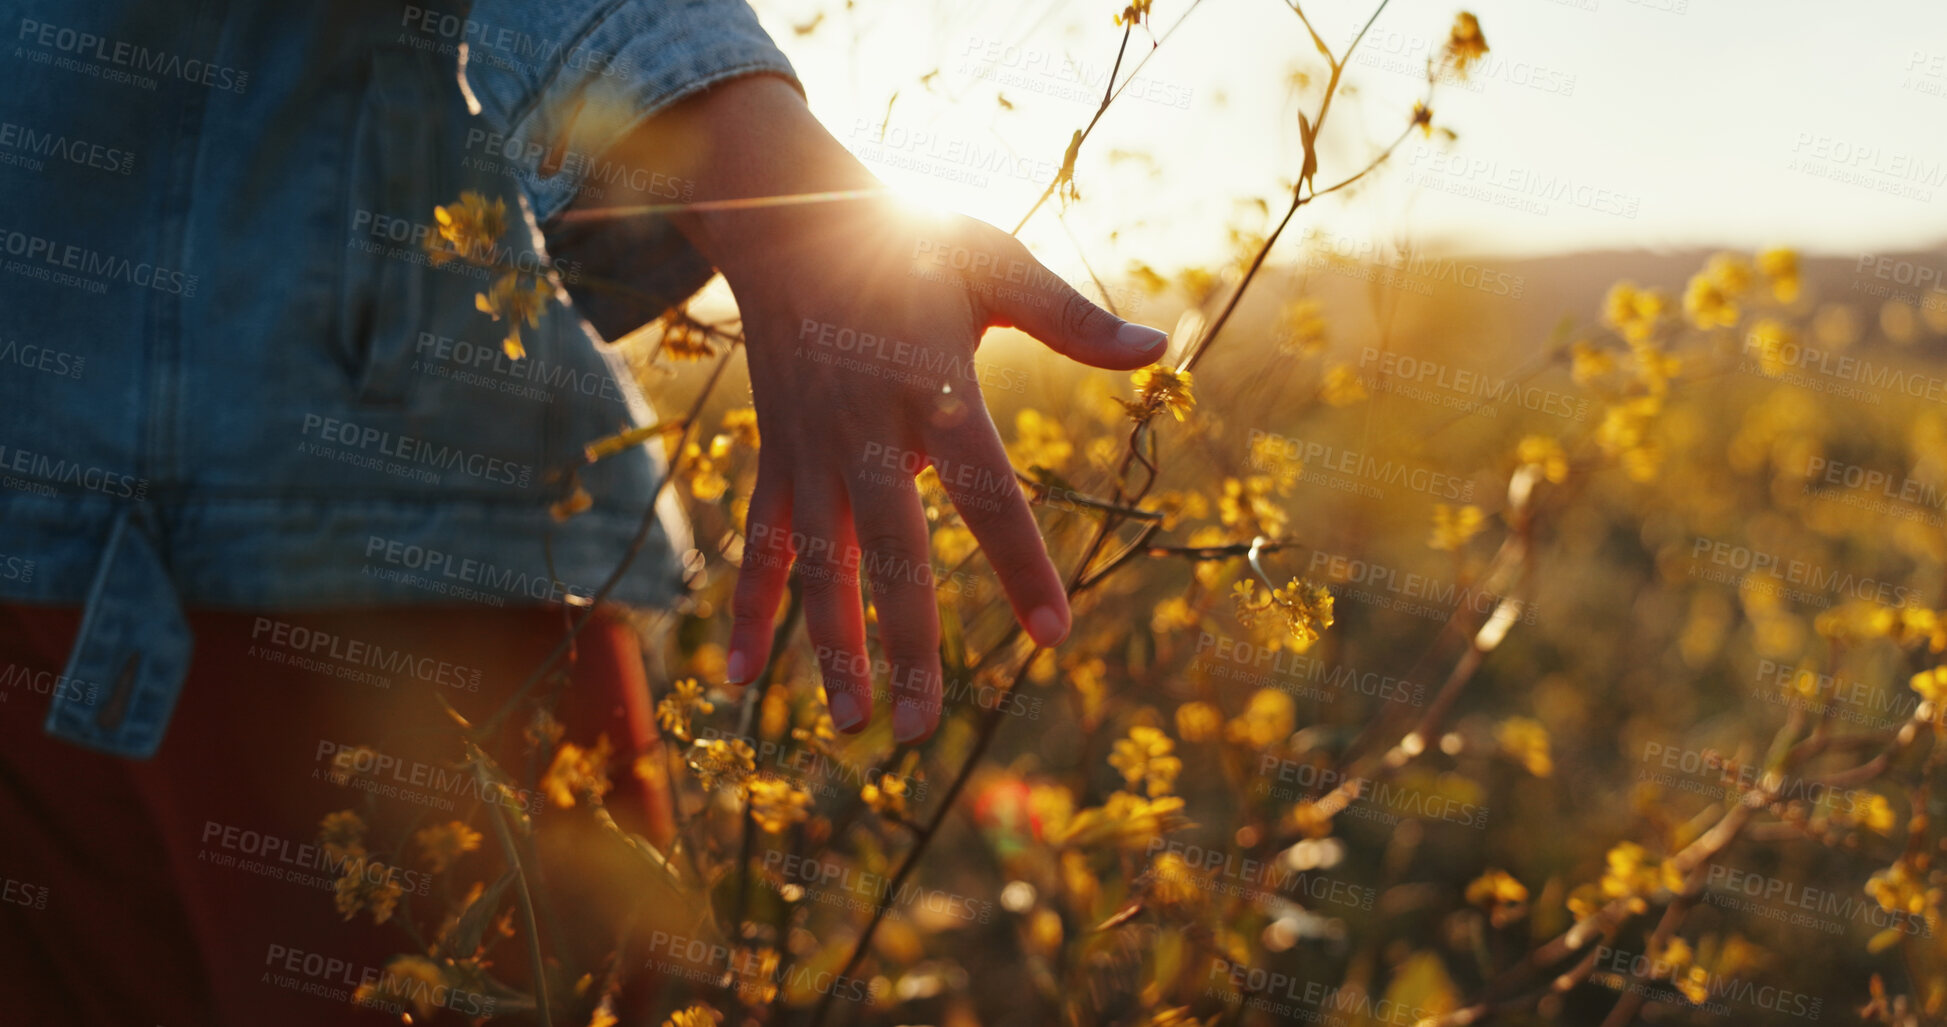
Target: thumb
point(1037, 301)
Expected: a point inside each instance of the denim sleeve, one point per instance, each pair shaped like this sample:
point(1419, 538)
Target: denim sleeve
point(559, 83)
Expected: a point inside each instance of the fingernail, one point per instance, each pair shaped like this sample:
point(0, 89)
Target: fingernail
point(736, 668)
point(1047, 626)
point(846, 715)
point(907, 723)
point(1139, 338)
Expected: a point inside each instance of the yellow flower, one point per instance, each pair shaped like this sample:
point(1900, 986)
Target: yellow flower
point(1465, 43)
point(1654, 368)
point(1304, 326)
point(1088, 675)
point(719, 761)
point(1588, 364)
point(1198, 721)
point(1246, 506)
point(1160, 387)
point(1632, 877)
point(1878, 814)
point(1039, 441)
point(1634, 313)
point(1423, 117)
point(1342, 386)
point(703, 471)
point(682, 337)
point(1174, 884)
point(1619, 305)
point(1496, 888)
point(1526, 740)
point(741, 423)
point(1172, 614)
point(1269, 718)
point(508, 299)
point(1770, 340)
point(1900, 889)
point(1305, 606)
point(367, 883)
point(342, 834)
point(1731, 273)
point(1545, 454)
point(1931, 684)
point(1918, 624)
point(698, 1015)
point(1145, 758)
point(776, 804)
point(467, 230)
point(415, 979)
point(1624, 435)
point(1126, 820)
point(684, 701)
point(578, 772)
point(1134, 13)
point(443, 844)
point(1270, 457)
point(888, 793)
point(1710, 300)
point(953, 543)
point(1452, 528)
point(755, 971)
point(1780, 269)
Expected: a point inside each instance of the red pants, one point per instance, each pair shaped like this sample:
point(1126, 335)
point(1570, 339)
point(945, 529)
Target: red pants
point(186, 891)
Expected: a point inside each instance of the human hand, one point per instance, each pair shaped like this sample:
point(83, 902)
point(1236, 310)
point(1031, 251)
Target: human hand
point(860, 321)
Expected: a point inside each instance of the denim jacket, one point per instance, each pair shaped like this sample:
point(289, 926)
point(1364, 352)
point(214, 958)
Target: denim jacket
point(230, 375)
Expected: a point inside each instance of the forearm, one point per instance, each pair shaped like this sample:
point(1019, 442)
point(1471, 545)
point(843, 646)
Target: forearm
point(745, 139)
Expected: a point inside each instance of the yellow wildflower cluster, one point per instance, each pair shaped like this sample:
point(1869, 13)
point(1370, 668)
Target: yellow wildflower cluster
point(1497, 891)
point(363, 882)
point(1624, 436)
point(1268, 719)
point(887, 793)
point(443, 844)
point(1525, 740)
point(1465, 44)
point(1145, 758)
point(1160, 387)
point(578, 773)
point(1342, 386)
point(467, 231)
point(684, 701)
point(1304, 606)
point(1126, 821)
point(1198, 722)
point(1453, 528)
point(1771, 341)
point(698, 1015)
point(517, 301)
point(1634, 313)
point(1711, 299)
point(1039, 441)
point(777, 803)
point(1545, 455)
point(1175, 885)
point(1245, 506)
point(1780, 270)
point(721, 761)
point(1631, 876)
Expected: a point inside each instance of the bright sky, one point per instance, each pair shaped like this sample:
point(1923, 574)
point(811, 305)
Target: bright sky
point(1591, 124)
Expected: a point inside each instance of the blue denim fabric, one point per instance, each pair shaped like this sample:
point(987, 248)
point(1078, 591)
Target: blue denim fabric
point(228, 375)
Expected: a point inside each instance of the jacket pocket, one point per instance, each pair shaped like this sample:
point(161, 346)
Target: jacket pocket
point(394, 180)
